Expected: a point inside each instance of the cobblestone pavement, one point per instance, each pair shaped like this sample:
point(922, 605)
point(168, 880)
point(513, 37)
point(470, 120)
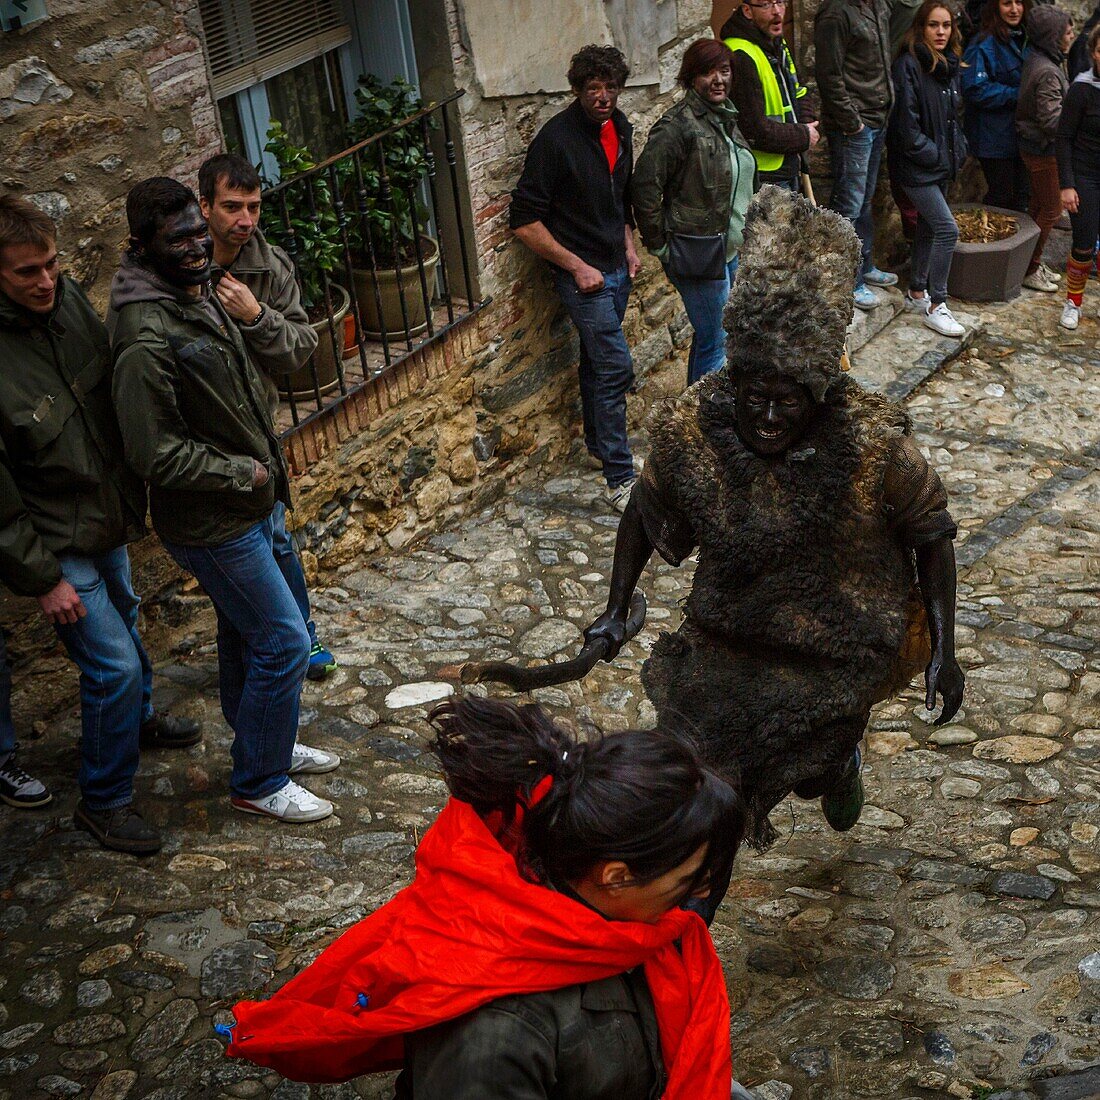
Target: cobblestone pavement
point(949, 945)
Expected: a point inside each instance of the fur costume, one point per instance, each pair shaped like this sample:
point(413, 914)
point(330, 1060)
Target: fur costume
point(799, 607)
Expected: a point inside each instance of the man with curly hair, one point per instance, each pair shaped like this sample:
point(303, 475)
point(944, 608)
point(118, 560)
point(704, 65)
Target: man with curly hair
point(571, 208)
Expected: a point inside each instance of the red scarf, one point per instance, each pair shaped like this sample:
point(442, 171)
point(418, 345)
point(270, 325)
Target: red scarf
point(468, 930)
point(609, 139)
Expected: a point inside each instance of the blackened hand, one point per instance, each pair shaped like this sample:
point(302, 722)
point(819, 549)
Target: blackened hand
point(944, 676)
point(612, 627)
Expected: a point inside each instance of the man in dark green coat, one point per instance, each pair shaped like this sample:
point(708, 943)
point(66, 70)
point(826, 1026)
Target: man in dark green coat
point(197, 428)
point(67, 510)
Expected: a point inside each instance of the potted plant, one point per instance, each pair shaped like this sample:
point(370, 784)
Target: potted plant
point(317, 252)
point(991, 258)
point(400, 218)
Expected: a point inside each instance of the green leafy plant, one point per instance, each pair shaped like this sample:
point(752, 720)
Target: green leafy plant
point(381, 106)
point(316, 241)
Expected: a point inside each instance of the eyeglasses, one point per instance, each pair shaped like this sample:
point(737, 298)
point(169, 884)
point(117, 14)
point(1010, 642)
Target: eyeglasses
point(769, 5)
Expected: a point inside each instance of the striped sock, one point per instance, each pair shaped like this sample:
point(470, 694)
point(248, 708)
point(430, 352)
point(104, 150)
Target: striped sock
point(1077, 275)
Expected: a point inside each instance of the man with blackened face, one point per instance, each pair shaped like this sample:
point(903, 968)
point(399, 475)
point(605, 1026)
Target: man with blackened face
point(197, 427)
point(826, 573)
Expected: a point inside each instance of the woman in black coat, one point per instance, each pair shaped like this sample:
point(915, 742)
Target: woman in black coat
point(927, 149)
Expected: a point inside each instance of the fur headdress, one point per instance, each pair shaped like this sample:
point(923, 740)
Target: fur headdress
point(792, 299)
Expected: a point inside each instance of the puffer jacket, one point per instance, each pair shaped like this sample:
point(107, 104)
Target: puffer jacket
point(991, 87)
point(63, 487)
point(1043, 85)
point(925, 137)
point(192, 409)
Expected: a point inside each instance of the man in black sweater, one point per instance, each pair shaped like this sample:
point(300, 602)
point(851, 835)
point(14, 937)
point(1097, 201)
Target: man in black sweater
point(570, 207)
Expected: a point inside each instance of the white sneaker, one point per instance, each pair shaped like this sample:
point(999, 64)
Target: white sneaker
point(619, 497)
point(307, 761)
point(1071, 316)
point(939, 319)
point(915, 305)
point(1050, 273)
point(1039, 280)
point(291, 803)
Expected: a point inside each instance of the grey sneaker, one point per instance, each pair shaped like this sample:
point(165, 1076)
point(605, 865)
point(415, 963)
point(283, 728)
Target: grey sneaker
point(307, 761)
point(619, 496)
point(19, 789)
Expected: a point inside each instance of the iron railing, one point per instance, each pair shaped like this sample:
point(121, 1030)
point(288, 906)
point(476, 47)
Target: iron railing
point(397, 303)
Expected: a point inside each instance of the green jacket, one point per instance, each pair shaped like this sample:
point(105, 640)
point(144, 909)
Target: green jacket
point(282, 340)
point(684, 180)
point(63, 487)
point(193, 411)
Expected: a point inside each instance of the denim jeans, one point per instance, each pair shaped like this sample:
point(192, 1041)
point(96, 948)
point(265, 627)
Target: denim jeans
point(263, 652)
point(290, 565)
point(605, 370)
point(116, 679)
point(704, 300)
point(777, 179)
point(7, 726)
point(933, 242)
point(855, 160)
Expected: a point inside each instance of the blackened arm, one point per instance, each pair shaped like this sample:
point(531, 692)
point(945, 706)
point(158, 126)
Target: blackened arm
point(936, 574)
point(633, 550)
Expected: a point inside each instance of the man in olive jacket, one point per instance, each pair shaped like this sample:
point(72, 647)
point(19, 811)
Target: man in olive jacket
point(67, 509)
point(254, 281)
point(197, 427)
point(852, 52)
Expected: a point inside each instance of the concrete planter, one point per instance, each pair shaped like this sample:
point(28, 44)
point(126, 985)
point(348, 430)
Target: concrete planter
point(392, 320)
point(323, 359)
point(992, 272)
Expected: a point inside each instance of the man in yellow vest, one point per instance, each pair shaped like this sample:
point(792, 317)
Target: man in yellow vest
point(772, 110)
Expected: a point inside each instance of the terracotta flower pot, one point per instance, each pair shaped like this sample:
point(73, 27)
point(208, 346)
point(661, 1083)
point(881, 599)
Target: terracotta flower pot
point(992, 272)
point(324, 359)
point(392, 321)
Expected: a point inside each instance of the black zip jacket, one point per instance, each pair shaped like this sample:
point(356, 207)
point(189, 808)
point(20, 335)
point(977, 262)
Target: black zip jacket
point(1078, 142)
point(567, 186)
point(925, 136)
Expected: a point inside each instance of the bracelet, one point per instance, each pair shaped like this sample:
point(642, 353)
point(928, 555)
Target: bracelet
point(255, 320)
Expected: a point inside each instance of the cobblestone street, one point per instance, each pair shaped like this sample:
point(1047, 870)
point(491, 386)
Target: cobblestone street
point(949, 945)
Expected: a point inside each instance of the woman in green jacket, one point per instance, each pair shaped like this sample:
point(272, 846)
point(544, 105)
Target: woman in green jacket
point(691, 188)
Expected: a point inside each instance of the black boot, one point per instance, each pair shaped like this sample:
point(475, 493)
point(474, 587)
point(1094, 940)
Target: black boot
point(122, 830)
point(844, 803)
point(166, 731)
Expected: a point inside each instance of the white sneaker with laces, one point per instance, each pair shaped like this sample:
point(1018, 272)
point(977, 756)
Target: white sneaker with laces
point(939, 319)
point(915, 305)
point(307, 761)
point(1039, 280)
point(619, 496)
point(19, 789)
point(290, 803)
point(1050, 273)
point(1071, 316)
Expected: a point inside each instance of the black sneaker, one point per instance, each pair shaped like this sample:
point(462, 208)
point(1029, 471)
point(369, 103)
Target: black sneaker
point(166, 731)
point(123, 830)
point(19, 789)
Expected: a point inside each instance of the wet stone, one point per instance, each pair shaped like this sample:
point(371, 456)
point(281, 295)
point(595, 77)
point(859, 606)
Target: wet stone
point(859, 977)
point(17, 1036)
point(1015, 885)
point(165, 1030)
point(86, 1031)
point(237, 968)
point(813, 1061)
point(92, 994)
point(1038, 1047)
point(768, 959)
point(873, 1040)
point(937, 871)
point(144, 979)
point(55, 1085)
point(44, 989)
point(938, 1047)
point(115, 1086)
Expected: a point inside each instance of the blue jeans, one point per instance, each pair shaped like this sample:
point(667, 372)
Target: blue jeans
point(934, 240)
point(605, 369)
point(855, 162)
point(290, 565)
point(263, 653)
point(7, 726)
point(116, 678)
point(704, 300)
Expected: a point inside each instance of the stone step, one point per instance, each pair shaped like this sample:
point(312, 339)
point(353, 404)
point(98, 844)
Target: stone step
point(904, 353)
point(867, 324)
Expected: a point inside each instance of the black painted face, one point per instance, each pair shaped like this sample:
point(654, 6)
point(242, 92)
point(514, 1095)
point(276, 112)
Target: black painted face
point(773, 413)
point(181, 249)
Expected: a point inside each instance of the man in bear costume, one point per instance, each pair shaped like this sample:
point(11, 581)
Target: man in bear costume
point(825, 557)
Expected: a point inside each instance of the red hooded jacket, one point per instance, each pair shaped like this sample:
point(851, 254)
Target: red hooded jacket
point(471, 929)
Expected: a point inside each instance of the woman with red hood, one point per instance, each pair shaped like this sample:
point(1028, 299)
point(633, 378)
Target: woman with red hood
point(541, 951)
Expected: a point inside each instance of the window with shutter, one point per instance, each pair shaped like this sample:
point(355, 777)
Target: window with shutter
point(250, 41)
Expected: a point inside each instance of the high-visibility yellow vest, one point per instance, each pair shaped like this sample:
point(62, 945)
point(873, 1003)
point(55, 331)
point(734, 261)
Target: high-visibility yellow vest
point(777, 105)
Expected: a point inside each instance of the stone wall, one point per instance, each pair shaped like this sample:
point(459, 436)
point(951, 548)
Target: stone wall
point(93, 99)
